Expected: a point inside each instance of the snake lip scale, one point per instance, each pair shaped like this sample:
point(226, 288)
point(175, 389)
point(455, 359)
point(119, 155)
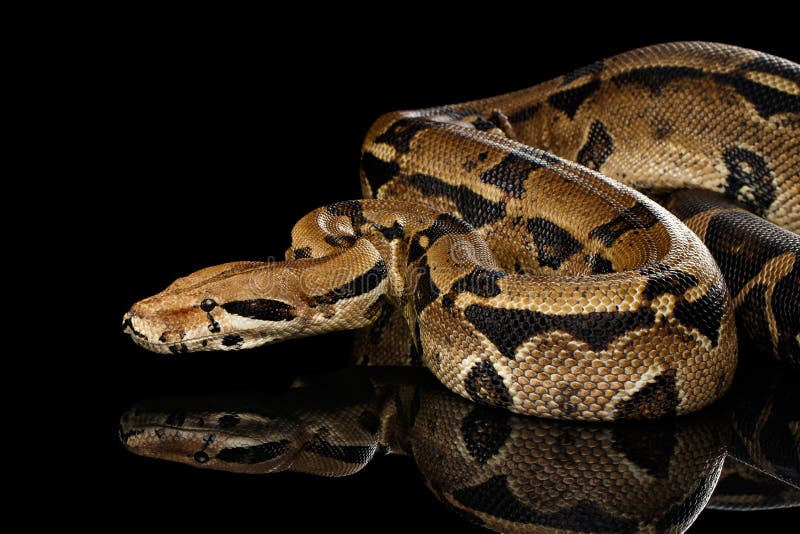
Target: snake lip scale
point(502, 243)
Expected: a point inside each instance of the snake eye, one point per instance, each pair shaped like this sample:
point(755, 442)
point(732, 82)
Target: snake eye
point(208, 304)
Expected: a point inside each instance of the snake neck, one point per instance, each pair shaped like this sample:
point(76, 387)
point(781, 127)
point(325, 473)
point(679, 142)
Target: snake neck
point(391, 254)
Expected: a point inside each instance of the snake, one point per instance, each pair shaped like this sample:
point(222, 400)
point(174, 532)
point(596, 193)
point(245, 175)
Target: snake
point(504, 472)
point(595, 247)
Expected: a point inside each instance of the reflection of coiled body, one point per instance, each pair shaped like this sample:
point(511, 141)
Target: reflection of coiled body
point(510, 474)
point(763, 466)
point(506, 472)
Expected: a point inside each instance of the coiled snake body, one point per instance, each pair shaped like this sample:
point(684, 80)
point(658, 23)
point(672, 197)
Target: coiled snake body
point(525, 278)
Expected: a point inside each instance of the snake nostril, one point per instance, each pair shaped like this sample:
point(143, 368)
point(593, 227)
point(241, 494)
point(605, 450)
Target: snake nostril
point(127, 320)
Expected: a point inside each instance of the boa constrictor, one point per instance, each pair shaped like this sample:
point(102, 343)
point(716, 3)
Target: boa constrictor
point(525, 278)
point(504, 472)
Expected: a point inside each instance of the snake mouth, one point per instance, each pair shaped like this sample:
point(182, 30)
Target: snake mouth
point(184, 347)
point(226, 342)
point(180, 346)
point(128, 328)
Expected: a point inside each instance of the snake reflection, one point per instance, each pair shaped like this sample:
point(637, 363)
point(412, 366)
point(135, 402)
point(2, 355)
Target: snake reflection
point(504, 472)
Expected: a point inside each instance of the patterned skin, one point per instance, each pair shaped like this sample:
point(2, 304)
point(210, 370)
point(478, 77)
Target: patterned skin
point(525, 278)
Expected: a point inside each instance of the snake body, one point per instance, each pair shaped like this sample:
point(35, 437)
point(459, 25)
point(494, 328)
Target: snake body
point(525, 278)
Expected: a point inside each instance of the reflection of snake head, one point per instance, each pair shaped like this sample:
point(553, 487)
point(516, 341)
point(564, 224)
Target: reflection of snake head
point(254, 434)
point(227, 307)
point(208, 439)
point(517, 474)
point(216, 440)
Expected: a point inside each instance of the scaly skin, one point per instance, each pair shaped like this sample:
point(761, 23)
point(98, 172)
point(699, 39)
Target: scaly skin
point(534, 283)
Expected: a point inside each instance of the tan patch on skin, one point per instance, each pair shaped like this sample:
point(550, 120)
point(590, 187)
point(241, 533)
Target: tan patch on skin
point(699, 223)
point(774, 81)
point(770, 274)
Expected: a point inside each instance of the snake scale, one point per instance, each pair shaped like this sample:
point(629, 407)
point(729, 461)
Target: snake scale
point(510, 240)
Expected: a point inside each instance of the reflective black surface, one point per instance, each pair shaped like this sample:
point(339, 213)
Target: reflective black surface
point(493, 469)
point(176, 100)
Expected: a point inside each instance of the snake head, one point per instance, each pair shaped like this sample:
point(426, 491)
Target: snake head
point(226, 307)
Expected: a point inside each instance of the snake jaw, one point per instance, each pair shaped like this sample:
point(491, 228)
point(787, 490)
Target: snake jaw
point(167, 329)
point(195, 338)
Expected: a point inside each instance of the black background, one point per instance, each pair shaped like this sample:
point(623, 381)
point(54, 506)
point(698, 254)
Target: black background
point(244, 103)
